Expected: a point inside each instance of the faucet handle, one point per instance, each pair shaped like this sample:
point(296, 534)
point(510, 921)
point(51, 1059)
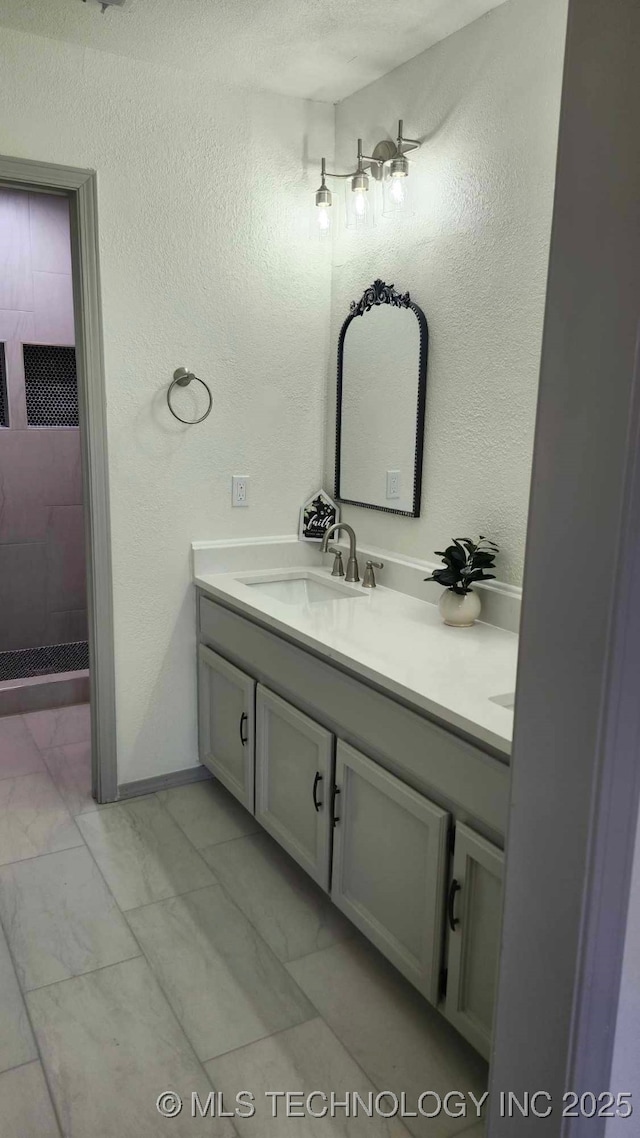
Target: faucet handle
point(369, 579)
point(338, 566)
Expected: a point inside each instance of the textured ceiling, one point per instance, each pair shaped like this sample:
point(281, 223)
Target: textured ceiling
point(317, 49)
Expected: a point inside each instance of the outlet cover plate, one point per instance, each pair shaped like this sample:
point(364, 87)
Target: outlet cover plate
point(240, 490)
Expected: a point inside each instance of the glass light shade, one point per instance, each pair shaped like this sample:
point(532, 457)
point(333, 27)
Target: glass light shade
point(323, 220)
point(396, 191)
point(359, 202)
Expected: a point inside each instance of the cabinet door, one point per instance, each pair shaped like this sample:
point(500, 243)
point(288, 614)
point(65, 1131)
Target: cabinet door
point(475, 920)
point(294, 758)
point(226, 700)
point(390, 866)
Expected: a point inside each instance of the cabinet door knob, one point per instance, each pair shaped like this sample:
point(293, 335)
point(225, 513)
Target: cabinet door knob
point(454, 888)
point(243, 719)
point(316, 783)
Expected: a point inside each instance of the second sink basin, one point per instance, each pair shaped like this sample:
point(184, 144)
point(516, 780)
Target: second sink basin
point(300, 588)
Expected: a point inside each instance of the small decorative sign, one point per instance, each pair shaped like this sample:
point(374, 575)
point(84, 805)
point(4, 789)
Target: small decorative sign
point(318, 513)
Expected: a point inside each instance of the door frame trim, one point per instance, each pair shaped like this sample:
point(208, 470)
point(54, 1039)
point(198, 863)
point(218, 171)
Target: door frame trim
point(575, 785)
point(80, 187)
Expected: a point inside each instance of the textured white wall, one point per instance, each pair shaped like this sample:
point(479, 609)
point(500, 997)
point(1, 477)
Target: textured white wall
point(203, 207)
point(474, 257)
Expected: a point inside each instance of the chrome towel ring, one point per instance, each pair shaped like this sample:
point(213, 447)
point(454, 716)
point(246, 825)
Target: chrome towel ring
point(182, 378)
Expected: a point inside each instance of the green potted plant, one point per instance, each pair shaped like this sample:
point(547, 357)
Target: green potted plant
point(465, 563)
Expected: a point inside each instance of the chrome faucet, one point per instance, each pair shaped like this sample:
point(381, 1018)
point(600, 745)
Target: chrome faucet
point(352, 563)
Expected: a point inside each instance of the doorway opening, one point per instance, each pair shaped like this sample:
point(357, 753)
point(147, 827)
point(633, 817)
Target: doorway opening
point(44, 651)
point(56, 623)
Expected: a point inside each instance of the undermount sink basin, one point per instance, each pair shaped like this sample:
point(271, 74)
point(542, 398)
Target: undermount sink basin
point(507, 701)
point(302, 589)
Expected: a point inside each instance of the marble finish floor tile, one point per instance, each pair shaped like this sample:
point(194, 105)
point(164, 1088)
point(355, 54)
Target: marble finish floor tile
point(302, 1059)
point(207, 813)
point(223, 982)
point(142, 853)
point(70, 769)
point(17, 1044)
point(287, 908)
point(58, 726)
point(399, 1040)
point(60, 918)
point(25, 1106)
point(33, 819)
point(111, 1045)
point(18, 752)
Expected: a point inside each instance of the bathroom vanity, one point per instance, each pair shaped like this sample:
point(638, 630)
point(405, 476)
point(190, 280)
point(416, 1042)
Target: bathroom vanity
point(365, 738)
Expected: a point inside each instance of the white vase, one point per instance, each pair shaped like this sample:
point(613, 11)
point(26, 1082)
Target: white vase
point(459, 610)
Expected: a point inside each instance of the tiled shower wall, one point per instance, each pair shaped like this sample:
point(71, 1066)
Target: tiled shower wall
point(42, 560)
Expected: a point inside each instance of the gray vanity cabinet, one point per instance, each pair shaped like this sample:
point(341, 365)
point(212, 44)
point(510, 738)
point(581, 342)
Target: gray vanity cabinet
point(226, 702)
point(390, 866)
point(369, 831)
point(475, 917)
point(294, 777)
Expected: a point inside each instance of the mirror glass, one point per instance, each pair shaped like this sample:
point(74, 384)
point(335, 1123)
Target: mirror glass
point(382, 362)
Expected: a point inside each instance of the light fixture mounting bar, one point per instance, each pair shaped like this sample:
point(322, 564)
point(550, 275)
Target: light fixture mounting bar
point(104, 4)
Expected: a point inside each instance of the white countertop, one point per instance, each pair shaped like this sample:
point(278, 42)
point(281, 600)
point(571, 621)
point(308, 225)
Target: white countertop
point(396, 641)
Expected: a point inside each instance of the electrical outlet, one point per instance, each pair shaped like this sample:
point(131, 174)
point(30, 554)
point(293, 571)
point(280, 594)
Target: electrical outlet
point(240, 490)
point(393, 483)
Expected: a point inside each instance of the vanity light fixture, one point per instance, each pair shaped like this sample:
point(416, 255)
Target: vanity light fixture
point(388, 164)
point(358, 204)
point(323, 204)
point(395, 184)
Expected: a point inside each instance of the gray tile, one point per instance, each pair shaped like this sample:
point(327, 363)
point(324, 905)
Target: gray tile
point(18, 697)
point(18, 752)
point(66, 569)
point(53, 308)
point(33, 819)
point(303, 1059)
point(60, 918)
point(67, 627)
point(223, 982)
point(111, 1045)
point(34, 474)
point(64, 467)
point(16, 325)
point(49, 230)
point(70, 769)
point(288, 909)
point(399, 1040)
point(38, 469)
point(16, 287)
point(25, 1106)
point(207, 813)
point(17, 1044)
point(143, 854)
point(15, 381)
point(22, 587)
point(58, 726)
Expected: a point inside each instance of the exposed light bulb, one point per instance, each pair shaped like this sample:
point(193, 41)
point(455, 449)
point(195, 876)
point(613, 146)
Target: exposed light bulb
point(324, 220)
point(360, 203)
point(397, 190)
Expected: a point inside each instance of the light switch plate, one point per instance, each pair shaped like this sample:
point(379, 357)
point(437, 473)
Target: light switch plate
point(240, 490)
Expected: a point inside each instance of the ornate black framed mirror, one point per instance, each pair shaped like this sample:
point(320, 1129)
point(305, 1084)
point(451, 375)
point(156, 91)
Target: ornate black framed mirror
point(382, 381)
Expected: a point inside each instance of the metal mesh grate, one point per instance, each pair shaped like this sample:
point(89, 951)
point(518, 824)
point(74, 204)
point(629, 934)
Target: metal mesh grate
point(4, 407)
point(51, 386)
point(25, 662)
